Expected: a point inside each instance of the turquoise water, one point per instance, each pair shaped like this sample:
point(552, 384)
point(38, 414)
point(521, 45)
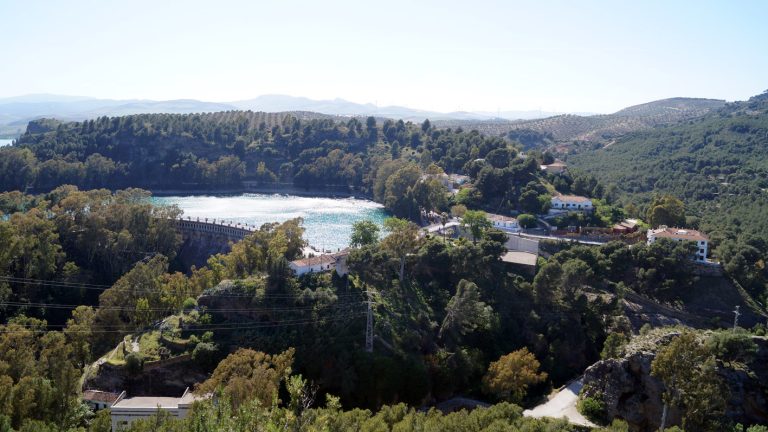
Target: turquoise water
point(328, 221)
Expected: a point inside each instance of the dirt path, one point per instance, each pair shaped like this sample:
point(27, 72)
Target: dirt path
point(562, 404)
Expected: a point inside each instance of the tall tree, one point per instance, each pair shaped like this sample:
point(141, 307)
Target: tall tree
point(477, 223)
point(686, 367)
point(401, 241)
point(508, 378)
point(464, 314)
point(364, 233)
point(666, 210)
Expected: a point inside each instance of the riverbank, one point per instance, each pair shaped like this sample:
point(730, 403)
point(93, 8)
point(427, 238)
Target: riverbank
point(263, 189)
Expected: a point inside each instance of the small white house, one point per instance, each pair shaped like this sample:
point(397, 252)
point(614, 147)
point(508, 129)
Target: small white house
point(127, 410)
point(681, 234)
point(571, 203)
point(504, 223)
point(557, 167)
point(315, 264)
point(98, 400)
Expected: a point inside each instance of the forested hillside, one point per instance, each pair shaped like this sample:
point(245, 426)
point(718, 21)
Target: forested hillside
point(717, 164)
point(603, 129)
point(222, 151)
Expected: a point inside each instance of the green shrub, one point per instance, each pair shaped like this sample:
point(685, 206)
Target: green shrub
point(613, 347)
point(645, 329)
point(730, 347)
point(593, 409)
point(527, 221)
point(189, 303)
point(205, 354)
point(134, 363)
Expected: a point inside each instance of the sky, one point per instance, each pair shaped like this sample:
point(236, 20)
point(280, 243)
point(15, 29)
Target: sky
point(564, 56)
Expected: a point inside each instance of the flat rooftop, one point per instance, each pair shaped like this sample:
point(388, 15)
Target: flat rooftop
point(519, 257)
point(151, 402)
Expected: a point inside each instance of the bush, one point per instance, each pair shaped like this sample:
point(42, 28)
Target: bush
point(614, 346)
point(205, 355)
point(189, 303)
point(645, 329)
point(134, 363)
point(527, 221)
point(593, 409)
point(730, 347)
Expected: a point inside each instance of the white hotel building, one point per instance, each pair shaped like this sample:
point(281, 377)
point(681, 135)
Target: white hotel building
point(680, 234)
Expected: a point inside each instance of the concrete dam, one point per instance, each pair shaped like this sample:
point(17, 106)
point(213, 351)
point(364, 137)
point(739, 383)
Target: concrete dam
point(203, 238)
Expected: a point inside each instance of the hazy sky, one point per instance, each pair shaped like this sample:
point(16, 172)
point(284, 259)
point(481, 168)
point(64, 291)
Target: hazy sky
point(439, 55)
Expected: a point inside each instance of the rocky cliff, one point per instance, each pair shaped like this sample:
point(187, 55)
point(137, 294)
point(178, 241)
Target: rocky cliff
point(629, 392)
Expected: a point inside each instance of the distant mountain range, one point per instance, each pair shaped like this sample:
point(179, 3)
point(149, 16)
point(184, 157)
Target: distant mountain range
point(16, 112)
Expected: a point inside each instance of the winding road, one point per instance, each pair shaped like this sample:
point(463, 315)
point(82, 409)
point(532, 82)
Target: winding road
point(562, 404)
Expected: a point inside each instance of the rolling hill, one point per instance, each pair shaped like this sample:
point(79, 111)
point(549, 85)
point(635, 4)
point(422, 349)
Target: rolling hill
point(604, 129)
point(717, 164)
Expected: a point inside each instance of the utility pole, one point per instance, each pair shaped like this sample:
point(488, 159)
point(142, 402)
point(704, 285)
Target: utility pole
point(735, 318)
point(369, 324)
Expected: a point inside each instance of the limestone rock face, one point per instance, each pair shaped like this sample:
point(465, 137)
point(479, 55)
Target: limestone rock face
point(629, 392)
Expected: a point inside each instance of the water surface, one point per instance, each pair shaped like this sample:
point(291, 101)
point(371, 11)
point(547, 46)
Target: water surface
point(328, 221)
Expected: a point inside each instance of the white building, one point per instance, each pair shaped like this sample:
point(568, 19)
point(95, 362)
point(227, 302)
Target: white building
point(504, 223)
point(315, 264)
point(679, 234)
point(571, 203)
point(127, 410)
point(557, 167)
point(99, 400)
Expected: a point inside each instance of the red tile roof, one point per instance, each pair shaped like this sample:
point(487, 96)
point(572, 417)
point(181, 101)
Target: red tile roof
point(572, 198)
point(100, 396)
point(678, 233)
point(316, 260)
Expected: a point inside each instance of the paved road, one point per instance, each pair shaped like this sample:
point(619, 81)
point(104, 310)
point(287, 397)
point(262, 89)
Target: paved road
point(544, 237)
point(562, 404)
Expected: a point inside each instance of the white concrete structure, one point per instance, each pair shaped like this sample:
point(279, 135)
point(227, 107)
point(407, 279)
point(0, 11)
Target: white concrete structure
point(504, 223)
point(681, 234)
point(571, 203)
point(127, 410)
point(341, 262)
point(517, 243)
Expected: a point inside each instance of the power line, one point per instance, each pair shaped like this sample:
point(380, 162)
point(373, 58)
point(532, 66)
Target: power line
point(61, 284)
point(336, 316)
point(161, 309)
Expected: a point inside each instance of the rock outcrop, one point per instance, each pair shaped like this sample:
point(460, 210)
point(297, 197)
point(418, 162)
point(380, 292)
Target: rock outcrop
point(629, 392)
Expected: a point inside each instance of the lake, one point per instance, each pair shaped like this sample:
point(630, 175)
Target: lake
point(328, 221)
point(5, 142)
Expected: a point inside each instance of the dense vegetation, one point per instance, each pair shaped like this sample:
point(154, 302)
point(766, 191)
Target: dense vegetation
point(718, 165)
point(83, 270)
point(450, 317)
point(68, 244)
point(223, 148)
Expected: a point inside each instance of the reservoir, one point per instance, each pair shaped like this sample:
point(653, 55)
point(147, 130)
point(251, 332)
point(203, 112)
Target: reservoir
point(327, 221)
